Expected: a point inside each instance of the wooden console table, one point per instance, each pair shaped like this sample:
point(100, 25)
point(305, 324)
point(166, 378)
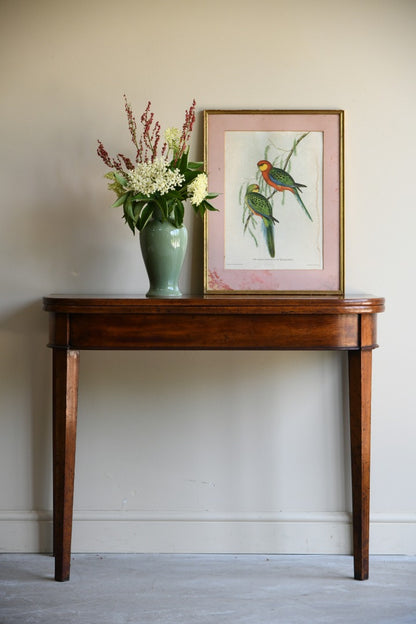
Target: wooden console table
point(210, 322)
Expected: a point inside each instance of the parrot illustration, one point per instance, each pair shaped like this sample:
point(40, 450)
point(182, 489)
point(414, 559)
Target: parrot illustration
point(280, 180)
point(261, 207)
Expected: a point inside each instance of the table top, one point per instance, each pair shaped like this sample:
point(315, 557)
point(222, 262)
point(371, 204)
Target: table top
point(213, 304)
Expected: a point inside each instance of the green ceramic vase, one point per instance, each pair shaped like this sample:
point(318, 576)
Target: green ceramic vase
point(163, 248)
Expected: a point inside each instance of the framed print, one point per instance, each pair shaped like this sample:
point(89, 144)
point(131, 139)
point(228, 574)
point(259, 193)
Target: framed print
point(280, 221)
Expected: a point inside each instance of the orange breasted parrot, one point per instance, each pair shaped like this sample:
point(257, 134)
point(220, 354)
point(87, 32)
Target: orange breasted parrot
point(261, 207)
point(280, 180)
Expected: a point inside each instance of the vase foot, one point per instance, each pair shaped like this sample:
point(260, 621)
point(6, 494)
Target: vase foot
point(156, 293)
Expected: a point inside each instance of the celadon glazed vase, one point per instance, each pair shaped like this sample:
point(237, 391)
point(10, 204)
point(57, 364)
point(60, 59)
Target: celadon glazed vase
point(163, 248)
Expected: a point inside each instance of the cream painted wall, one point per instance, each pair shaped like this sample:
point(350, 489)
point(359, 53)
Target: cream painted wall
point(200, 451)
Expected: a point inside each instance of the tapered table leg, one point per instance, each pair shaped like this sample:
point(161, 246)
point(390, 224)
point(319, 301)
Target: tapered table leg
point(360, 427)
point(65, 402)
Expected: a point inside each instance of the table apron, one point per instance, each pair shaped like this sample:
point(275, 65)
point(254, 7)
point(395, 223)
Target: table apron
point(213, 332)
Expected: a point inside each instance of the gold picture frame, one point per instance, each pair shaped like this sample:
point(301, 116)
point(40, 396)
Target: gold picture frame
point(280, 221)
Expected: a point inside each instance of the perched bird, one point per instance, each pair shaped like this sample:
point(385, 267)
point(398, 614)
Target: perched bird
point(261, 207)
point(280, 180)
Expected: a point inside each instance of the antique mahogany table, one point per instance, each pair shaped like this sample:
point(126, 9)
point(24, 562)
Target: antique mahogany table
point(209, 322)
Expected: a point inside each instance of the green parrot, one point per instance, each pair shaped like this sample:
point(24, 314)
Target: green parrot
point(282, 181)
point(261, 207)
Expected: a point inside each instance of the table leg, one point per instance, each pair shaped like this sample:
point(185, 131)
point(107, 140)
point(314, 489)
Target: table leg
point(65, 403)
point(360, 427)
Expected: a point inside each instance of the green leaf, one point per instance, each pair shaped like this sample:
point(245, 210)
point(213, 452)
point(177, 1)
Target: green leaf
point(195, 165)
point(189, 175)
point(145, 216)
point(179, 212)
point(208, 206)
point(266, 152)
point(128, 208)
point(128, 213)
point(129, 222)
point(137, 208)
point(182, 163)
point(120, 179)
point(120, 200)
point(140, 197)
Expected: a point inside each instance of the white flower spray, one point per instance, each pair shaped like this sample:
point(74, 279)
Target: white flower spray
point(155, 177)
point(198, 189)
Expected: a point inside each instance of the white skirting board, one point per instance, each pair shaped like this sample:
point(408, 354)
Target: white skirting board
point(146, 532)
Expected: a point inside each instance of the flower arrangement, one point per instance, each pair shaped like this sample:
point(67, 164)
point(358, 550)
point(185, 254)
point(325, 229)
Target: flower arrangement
point(156, 185)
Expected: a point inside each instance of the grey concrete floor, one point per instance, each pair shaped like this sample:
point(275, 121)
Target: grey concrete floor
point(207, 589)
